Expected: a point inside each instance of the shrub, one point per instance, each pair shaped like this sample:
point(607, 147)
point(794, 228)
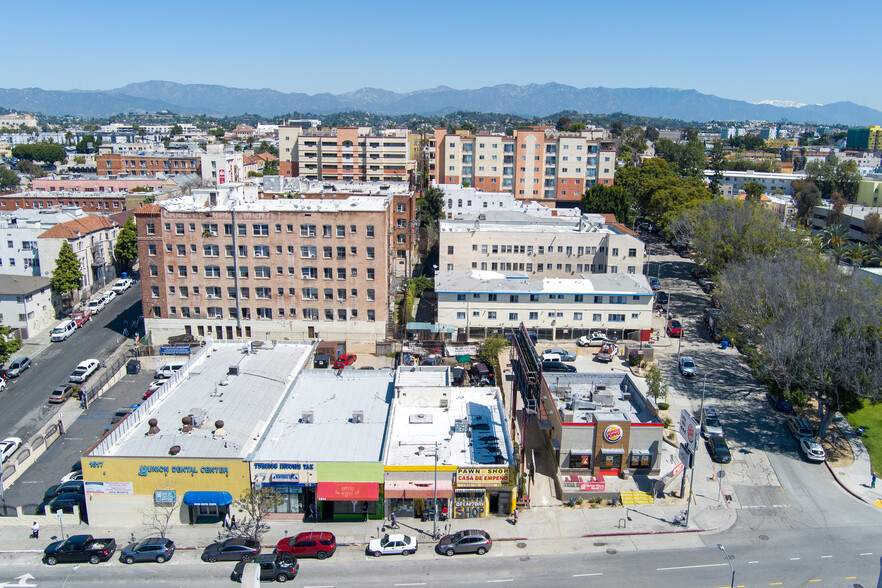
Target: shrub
point(579, 501)
point(663, 406)
point(635, 356)
point(668, 422)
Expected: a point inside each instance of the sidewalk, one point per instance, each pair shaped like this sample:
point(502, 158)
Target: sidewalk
point(856, 477)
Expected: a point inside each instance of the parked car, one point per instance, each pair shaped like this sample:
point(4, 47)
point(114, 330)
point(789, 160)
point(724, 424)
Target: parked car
point(317, 544)
point(168, 370)
point(799, 428)
point(699, 272)
point(397, 544)
point(654, 283)
point(121, 414)
point(108, 296)
point(607, 352)
point(156, 549)
point(63, 502)
point(79, 549)
point(18, 366)
point(481, 374)
point(122, 285)
point(433, 359)
point(710, 423)
point(81, 317)
point(812, 449)
point(236, 549)
point(564, 355)
point(675, 329)
point(8, 447)
point(96, 305)
point(779, 403)
point(470, 541)
point(458, 375)
point(344, 360)
point(718, 449)
point(595, 340)
point(75, 486)
point(72, 477)
point(62, 393)
point(85, 369)
point(62, 331)
point(661, 297)
point(275, 568)
point(687, 366)
point(557, 366)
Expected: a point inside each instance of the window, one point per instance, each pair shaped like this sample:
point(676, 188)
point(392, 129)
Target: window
point(209, 229)
point(264, 313)
point(210, 251)
point(534, 316)
point(617, 300)
point(179, 228)
point(228, 250)
point(370, 253)
point(616, 318)
point(151, 249)
point(370, 273)
point(632, 253)
point(154, 291)
point(615, 251)
point(262, 271)
point(212, 271)
point(577, 316)
point(261, 251)
point(596, 318)
point(341, 230)
point(370, 231)
point(370, 295)
point(326, 230)
point(341, 294)
point(371, 315)
point(491, 297)
point(309, 293)
point(243, 271)
point(150, 227)
point(450, 250)
point(308, 252)
point(260, 230)
point(513, 298)
point(341, 253)
point(263, 292)
point(212, 292)
point(512, 316)
point(243, 251)
point(328, 273)
point(635, 315)
point(182, 250)
point(341, 273)
point(307, 230)
point(598, 300)
point(309, 273)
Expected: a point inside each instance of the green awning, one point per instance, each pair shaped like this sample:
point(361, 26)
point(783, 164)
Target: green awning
point(463, 358)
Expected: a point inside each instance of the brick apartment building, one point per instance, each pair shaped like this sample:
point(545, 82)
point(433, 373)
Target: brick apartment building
point(148, 164)
point(101, 202)
point(225, 264)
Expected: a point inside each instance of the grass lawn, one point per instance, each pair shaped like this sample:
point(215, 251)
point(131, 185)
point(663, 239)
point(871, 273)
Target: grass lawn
point(870, 418)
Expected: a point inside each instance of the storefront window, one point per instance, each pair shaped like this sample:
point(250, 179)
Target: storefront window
point(640, 461)
point(580, 461)
point(293, 499)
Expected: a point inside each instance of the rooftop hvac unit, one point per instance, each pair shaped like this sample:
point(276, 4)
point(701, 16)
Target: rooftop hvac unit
point(443, 403)
point(626, 396)
point(416, 419)
point(460, 426)
point(197, 415)
point(234, 370)
point(357, 416)
point(307, 417)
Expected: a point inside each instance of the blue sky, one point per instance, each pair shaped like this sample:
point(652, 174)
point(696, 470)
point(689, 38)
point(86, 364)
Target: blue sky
point(806, 51)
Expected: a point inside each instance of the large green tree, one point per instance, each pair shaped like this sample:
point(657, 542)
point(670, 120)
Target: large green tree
point(30, 168)
point(615, 200)
point(88, 144)
point(431, 206)
point(753, 190)
point(67, 276)
point(45, 152)
point(718, 164)
point(9, 180)
point(7, 346)
point(806, 195)
point(832, 175)
point(126, 249)
point(688, 158)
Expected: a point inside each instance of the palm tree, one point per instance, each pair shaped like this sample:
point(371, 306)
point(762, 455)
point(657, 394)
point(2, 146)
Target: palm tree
point(874, 258)
point(834, 235)
point(859, 254)
point(838, 251)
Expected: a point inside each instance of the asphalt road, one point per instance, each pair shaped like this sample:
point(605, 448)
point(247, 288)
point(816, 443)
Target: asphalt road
point(23, 405)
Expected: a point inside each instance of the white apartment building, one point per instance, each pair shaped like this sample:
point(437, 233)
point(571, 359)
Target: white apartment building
point(476, 302)
point(733, 181)
point(539, 246)
point(26, 303)
point(222, 167)
point(14, 120)
point(19, 232)
point(460, 201)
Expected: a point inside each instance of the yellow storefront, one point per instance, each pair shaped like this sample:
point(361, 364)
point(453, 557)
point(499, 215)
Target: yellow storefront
point(129, 490)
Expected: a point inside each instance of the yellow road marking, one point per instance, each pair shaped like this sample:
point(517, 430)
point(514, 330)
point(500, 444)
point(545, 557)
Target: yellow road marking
point(775, 583)
point(814, 580)
point(851, 578)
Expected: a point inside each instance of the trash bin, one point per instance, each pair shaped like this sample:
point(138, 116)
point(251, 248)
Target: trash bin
point(133, 366)
point(724, 344)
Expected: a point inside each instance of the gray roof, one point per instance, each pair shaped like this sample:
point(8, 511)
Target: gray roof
point(332, 436)
point(477, 281)
point(23, 285)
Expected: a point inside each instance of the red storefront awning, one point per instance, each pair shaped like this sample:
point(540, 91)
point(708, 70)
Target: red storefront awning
point(347, 491)
point(409, 489)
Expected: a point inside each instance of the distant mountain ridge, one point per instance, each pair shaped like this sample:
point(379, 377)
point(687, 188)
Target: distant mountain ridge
point(530, 100)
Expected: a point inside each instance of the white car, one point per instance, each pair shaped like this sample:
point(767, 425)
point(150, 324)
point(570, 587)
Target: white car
point(397, 544)
point(72, 477)
point(108, 296)
point(122, 285)
point(84, 370)
point(812, 450)
point(96, 305)
point(595, 340)
point(9, 446)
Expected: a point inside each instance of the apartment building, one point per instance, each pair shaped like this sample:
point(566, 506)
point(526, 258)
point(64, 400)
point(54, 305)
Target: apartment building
point(19, 230)
point(536, 164)
point(93, 184)
point(733, 181)
point(539, 246)
point(475, 302)
point(220, 166)
point(344, 153)
point(460, 201)
point(100, 202)
point(148, 164)
point(14, 120)
point(92, 238)
point(869, 138)
point(225, 264)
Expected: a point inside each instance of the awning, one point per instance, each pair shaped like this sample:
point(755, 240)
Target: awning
point(411, 489)
point(641, 452)
point(611, 451)
point(193, 498)
point(347, 491)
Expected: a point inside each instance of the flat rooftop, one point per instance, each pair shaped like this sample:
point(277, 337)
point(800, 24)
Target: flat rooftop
point(199, 203)
point(422, 375)
point(204, 387)
point(316, 420)
point(482, 281)
point(525, 221)
point(593, 398)
point(468, 424)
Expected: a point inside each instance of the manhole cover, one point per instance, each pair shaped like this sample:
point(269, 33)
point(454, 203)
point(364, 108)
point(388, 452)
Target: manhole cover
point(525, 558)
point(599, 544)
point(521, 544)
point(764, 537)
point(611, 551)
point(857, 586)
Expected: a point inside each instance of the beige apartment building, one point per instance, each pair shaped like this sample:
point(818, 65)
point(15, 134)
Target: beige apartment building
point(537, 164)
point(344, 153)
point(539, 246)
point(224, 264)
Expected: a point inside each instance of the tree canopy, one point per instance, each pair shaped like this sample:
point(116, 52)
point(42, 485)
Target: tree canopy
point(688, 158)
point(658, 191)
point(9, 180)
point(66, 277)
point(831, 176)
point(753, 190)
point(88, 144)
point(431, 206)
point(45, 152)
point(600, 199)
point(126, 249)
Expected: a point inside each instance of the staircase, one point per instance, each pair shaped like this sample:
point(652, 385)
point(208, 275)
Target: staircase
point(636, 498)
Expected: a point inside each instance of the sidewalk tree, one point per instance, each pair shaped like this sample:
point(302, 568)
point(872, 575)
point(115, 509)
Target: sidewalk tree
point(158, 518)
point(7, 346)
point(257, 503)
point(126, 249)
point(656, 382)
point(66, 277)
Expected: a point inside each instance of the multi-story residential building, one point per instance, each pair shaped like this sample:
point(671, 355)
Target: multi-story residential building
point(220, 166)
point(92, 238)
point(870, 191)
point(19, 230)
point(733, 181)
point(225, 264)
point(115, 164)
point(421, 151)
point(460, 202)
point(345, 153)
point(537, 164)
point(539, 246)
point(93, 184)
point(102, 202)
point(869, 138)
point(26, 303)
point(475, 302)
point(853, 218)
point(14, 120)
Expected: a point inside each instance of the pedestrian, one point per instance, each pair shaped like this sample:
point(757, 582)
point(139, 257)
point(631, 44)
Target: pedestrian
point(233, 524)
point(226, 521)
point(35, 530)
point(393, 522)
point(312, 512)
point(515, 516)
point(364, 509)
point(872, 482)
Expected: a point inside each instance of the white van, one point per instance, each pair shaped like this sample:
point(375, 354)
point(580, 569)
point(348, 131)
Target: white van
point(168, 370)
point(64, 330)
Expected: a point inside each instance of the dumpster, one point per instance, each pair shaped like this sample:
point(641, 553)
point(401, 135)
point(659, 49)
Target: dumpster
point(133, 366)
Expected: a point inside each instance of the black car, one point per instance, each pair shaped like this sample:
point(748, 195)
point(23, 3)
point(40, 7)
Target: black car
point(63, 502)
point(557, 366)
point(236, 549)
point(155, 549)
point(280, 567)
point(779, 403)
point(661, 297)
point(718, 450)
point(72, 486)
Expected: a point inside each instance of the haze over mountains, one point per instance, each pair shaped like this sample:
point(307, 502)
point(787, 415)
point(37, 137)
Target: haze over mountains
point(531, 100)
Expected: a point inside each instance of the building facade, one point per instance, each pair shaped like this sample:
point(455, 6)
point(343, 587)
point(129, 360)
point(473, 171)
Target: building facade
point(869, 138)
point(90, 185)
point(26, 303)
point(225, 264)
point(98, 202)
point(92, 239)
point(116, 164)
point(220, 166)
point(733, 181)
point(19, 229)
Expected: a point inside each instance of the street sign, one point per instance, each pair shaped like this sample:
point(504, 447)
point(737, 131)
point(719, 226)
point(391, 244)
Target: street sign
point(686, 455)
point(721, 474)
point(689, 429)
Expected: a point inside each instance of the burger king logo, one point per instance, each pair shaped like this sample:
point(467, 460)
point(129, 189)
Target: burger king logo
point(613, 433)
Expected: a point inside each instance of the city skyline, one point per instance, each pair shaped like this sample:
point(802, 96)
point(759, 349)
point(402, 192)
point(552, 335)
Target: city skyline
point(754, 54)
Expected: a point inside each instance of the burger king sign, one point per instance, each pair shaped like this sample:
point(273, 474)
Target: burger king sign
point(613, 433)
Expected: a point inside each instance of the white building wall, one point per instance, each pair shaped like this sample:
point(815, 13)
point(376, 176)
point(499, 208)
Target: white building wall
point(33, 313)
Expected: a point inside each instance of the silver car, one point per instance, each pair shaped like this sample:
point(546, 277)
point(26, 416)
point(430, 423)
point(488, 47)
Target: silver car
point(564, 355)
point(687, 366)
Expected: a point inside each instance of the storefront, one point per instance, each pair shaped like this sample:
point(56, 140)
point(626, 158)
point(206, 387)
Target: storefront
point(483, 491)
point(294, 481)
point(410, 493)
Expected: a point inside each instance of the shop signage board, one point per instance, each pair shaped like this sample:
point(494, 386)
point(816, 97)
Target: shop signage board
point(469, 505)
point(686, 455)
point(483, 477)
point(597, 486)
point(689, 429)
point(164, 497)
point(109, 487)
point(174, 350)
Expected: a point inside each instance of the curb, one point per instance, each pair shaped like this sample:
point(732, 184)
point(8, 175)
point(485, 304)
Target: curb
point(626, 534)
point(844, 487)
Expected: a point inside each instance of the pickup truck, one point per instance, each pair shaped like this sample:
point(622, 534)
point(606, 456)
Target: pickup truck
point(79, 549)
point(608, 351)
point(81, 317)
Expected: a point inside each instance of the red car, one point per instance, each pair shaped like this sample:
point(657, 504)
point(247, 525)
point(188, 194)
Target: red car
point(318, 544)
point(81, 317)
point(344, 360)
point(675, 329)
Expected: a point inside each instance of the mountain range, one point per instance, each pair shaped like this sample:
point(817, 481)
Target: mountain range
point(529, 101)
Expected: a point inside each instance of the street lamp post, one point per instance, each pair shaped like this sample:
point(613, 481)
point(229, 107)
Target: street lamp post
point(729, 561)
point(692, 477)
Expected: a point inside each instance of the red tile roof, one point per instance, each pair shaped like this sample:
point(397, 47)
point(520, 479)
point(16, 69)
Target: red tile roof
point(78, 227)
